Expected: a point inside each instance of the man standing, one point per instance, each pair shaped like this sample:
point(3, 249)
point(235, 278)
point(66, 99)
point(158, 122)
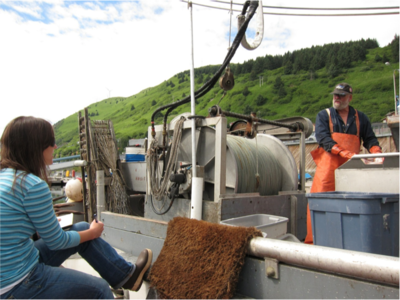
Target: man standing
point(339, 131)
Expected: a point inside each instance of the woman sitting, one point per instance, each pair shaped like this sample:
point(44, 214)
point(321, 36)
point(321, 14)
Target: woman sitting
point(31, 269)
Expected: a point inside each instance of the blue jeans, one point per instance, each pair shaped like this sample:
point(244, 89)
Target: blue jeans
point(49, 281)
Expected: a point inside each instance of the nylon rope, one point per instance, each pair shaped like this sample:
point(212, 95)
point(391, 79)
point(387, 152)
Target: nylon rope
point(160, 190)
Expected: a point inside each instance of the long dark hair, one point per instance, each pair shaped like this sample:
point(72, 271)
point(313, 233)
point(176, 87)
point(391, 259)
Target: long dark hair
point(22, 144)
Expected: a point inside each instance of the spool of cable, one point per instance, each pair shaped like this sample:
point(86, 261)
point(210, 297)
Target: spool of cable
point(245, 151)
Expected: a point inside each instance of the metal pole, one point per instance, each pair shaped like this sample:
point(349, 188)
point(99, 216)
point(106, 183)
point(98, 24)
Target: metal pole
point(220, 158)
point(302, 164)
point(100, 193)
point(193, 103)
point(197, 186)
point(378, 268)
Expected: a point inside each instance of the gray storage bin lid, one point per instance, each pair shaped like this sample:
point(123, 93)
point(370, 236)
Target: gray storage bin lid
point(351, 202)
point(386, 197)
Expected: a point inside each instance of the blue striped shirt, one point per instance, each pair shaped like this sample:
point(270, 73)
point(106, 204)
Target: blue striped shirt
point(25, 209)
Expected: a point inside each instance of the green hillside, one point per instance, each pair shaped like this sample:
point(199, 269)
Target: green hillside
point(295, 84)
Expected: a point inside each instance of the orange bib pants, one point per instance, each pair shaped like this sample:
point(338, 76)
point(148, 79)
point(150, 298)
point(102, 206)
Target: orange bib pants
point(327, 163)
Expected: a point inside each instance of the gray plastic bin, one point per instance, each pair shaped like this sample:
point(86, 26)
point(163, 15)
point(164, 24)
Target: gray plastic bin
point(273, 226)
point(367, 222)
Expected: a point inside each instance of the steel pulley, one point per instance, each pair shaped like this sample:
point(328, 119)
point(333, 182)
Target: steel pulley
point(227, 82)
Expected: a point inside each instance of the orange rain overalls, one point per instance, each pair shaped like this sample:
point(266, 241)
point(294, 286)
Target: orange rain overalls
point(327, 163)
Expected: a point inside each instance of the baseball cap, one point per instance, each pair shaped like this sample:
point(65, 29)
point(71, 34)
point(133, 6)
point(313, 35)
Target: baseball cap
point(343, 89)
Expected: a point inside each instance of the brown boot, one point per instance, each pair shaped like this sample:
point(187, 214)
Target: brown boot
point(142, 265)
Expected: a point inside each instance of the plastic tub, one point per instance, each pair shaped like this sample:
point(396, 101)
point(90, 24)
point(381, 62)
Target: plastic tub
point(367, 222)
point(134, 154)
point(272, 226)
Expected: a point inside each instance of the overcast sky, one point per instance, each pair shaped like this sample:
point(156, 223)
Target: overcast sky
point(57, 57)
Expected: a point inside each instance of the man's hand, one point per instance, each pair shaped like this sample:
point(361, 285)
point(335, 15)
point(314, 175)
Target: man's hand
point(336, 149)
point(375, 149)
point(374, 160)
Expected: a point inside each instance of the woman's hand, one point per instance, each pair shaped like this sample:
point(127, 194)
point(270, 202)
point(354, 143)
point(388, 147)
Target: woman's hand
point(97, 228)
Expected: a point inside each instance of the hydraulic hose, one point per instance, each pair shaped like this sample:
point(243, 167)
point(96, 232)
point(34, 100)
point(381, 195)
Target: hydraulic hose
point(252, 5)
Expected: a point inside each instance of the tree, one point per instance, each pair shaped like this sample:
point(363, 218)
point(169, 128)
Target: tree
point(317, 62)
point(358, 52)
point(333, 71)
point(394, 45)
point(371, 44)
point(246, 91)
point(132, 107)
point(288, 68)
point(378, 58)
point(385, 58)
point(296, 66)
point(260, 100)
point(238, 69)
point(282, 92)
point(312, 73)
point(278, 83)
point(344, 58)
point(253, 75)
point(200, 79)
point(154, 102)
point(258, 66)
point(269, 62)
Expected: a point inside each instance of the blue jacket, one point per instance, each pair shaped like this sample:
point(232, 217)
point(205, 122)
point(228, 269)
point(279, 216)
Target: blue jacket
point(323, 135)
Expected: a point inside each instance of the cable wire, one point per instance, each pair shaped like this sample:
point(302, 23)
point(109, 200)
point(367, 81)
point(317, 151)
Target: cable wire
point(314, 8)
point(310, 15)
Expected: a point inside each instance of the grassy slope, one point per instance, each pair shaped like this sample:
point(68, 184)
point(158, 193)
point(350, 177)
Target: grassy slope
point(372, 83)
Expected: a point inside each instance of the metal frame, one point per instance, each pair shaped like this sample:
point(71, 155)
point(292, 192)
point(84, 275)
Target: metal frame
point(220, 124)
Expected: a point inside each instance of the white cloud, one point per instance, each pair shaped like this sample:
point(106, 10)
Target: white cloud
point(54, 67)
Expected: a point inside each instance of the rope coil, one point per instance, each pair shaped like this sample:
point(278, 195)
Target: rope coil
point(159, 185)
